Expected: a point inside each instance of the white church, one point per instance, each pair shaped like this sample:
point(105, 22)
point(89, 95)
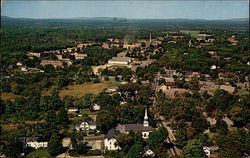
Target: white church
point(109, 142)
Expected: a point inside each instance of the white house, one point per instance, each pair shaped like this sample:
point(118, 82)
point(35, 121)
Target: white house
point(96, 107)
point(87, 124)
point(213, 67)
point(72, 109)
point(110, 141)
point(33, 142)
point(207, 151)
point(19, 64)
point(148, 152)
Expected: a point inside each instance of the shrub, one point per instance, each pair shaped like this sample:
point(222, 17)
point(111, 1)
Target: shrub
point(95, 152)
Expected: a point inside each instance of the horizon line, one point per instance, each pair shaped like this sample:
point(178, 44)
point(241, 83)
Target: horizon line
point(86, 18)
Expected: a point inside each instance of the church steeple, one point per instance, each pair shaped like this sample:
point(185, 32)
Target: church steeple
point(145, 122)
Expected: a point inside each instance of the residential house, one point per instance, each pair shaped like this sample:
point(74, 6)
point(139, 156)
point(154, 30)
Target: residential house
point(174, 92)
point(190, 75)
point(96, 107)
point(164, 87)
point(176, 36)
point(145, 82)
point(19, 64)
point(208, 86)
point(79, 56)
point(33, 142)
point(206, 150)
point(24, 68)
point(59, 56)
point(110, 90)
point(105, 45)
point(73, 109)
point(213, 53)
point(225, 75)
point(148, 152)
point(131, 46)
point(232, 40)
point(210, 40)
point(213, 67)
point(110, 140)
point(34, 54)
point(86, 125)
point(228, 88)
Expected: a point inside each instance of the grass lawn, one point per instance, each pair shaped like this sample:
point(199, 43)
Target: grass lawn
point(243, 91)
point(39, 154)
point(79, 90)
point(9, 96)
point(193, 33)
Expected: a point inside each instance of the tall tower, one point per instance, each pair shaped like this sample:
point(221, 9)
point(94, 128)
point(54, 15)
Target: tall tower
point(150, 38)
point(145, 122)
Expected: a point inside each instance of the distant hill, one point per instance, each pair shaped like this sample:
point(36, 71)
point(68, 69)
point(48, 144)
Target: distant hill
point(178, 20)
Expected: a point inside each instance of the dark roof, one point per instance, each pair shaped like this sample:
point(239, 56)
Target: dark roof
point(136, 127)
point(146, 148)
point(112, 133)
point(32, 139)
point(88, 120)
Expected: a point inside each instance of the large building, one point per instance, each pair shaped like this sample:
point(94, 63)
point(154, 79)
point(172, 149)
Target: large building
point(120, 60)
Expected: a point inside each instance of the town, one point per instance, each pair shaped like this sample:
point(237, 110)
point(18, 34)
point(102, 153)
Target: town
point(169, 93)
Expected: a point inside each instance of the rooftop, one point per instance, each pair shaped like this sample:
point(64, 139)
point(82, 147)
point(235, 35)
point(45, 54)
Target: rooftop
point(112, 133)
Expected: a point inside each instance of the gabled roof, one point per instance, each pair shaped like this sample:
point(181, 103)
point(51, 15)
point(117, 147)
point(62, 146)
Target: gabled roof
point(112, 133)
point(136, 127)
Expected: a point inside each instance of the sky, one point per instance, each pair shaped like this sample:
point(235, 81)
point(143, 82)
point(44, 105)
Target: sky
point(164, 9)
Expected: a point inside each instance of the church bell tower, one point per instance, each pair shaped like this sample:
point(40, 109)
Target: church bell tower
point(145, 122)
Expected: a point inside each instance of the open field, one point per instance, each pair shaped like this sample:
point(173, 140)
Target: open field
point(79, 90)
point(8, 96)
point(193, 33)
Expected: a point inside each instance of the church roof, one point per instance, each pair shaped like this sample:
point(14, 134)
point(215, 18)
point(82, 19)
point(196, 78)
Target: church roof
point(136, 127)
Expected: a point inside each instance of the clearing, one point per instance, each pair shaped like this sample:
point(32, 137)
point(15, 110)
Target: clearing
point(78, 90)
point(9, 96)
point(192, 33)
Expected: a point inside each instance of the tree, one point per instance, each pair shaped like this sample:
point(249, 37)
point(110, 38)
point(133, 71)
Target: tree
point(62, 118)
point(181, 137)
point(124, 141)
point(87, 100)
point(230, 154)
point(194, 149)
point(13, 149)
point(157, 137)
point(239, 115)
point(221, 126)
point(55, 145)
point(135, 151)
point(105, 121)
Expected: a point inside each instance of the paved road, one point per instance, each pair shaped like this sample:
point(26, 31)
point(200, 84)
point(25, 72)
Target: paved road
point(162, 122)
